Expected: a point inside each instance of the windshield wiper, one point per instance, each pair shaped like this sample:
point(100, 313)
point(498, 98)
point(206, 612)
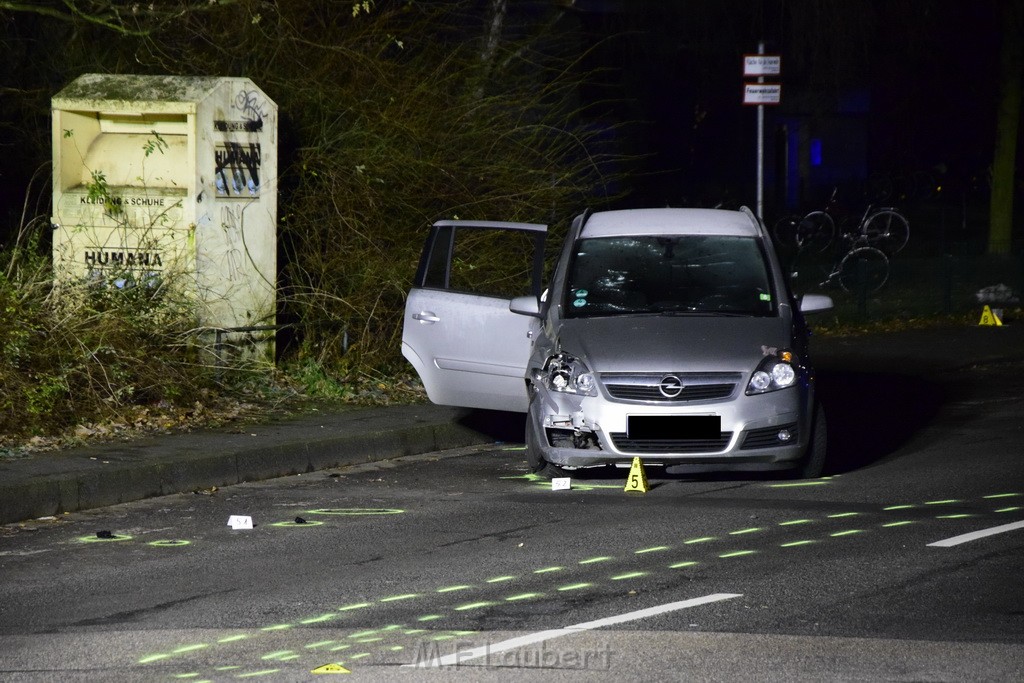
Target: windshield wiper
point(707, 314)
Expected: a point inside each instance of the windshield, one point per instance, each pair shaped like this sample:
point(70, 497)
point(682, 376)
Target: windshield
point(668, 274)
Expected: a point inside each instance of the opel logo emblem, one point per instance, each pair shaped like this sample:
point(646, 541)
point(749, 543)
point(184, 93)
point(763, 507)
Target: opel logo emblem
point(671, 386)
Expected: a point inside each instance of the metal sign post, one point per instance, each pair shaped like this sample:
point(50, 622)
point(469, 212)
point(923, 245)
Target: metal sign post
point(761, 93)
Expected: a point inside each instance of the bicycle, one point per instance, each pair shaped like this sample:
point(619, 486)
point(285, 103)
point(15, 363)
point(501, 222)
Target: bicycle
point(884, 228)
point(859, 268)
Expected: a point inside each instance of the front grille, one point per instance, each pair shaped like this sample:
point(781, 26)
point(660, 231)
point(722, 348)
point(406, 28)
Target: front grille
point(768, 437)
point(646, 387)
point(626, 445)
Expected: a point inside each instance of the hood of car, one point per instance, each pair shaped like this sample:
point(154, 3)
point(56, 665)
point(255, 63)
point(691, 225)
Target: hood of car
point(654, 343)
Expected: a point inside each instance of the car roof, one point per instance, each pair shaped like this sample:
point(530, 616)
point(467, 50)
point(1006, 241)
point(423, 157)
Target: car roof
point(666, 221)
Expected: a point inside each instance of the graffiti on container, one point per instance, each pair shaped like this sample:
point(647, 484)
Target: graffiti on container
point(251, 105)
point(231, 223)
point(237, 172)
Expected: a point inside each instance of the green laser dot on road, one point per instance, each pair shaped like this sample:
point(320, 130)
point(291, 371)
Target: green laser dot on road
point(704, 539)
point(321, 618)
point(322, 643)
point(258, 674)
point(358, 605)
point(682, 565)
point(475, 605)
point(523, 596)
point(501, 579)
point(629, 575)
point(364, 634)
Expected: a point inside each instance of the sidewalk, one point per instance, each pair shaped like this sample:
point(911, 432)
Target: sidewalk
point(103, 474)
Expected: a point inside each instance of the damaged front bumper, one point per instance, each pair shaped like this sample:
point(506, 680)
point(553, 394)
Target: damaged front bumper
point(758, 433)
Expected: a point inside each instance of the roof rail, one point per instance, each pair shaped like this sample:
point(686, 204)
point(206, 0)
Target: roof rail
point(585, 216)
point(757, 221)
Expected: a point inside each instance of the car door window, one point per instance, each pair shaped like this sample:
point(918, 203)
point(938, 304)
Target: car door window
point(484, 262)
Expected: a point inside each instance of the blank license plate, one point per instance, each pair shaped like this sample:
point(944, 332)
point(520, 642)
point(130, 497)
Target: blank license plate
point(673, 426)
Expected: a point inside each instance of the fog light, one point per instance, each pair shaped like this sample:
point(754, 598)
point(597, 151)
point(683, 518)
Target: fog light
point(784, 435)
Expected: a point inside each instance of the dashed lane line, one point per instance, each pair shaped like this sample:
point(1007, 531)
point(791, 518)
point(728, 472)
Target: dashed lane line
point(975, 535)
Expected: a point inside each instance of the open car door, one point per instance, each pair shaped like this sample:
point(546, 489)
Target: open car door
point(466, 345)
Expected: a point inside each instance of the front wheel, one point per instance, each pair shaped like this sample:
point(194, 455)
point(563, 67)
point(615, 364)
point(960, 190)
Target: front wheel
point(815, 231)
point(888, 230)
point(813, 464)
point(785, 231)
point(535, 459)
point(864, 269)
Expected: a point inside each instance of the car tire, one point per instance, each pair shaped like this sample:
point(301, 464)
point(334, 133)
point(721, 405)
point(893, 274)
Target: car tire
point(535, 461)
point(813, 464)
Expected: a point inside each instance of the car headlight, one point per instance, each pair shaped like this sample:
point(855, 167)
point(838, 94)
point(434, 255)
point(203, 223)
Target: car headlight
point(776, 371)
point(569, 375)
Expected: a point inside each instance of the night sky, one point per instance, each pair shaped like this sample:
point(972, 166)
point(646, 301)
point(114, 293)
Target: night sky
point(869, 87)
point(891, 88)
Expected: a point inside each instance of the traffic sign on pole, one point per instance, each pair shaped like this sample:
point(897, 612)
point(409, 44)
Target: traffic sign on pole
point(762, 93)
point(762, 65)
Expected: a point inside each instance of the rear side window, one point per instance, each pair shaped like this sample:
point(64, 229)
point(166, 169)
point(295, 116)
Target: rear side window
point(668, 273)
point(482, 261)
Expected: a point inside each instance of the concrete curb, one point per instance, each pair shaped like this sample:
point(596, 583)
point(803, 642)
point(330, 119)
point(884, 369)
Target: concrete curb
point(112, 474)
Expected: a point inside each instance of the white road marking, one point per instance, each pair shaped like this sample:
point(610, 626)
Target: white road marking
point(975, 535)
point(522, 641)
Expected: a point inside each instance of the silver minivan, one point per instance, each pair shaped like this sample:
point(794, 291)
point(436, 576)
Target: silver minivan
point(665, 334)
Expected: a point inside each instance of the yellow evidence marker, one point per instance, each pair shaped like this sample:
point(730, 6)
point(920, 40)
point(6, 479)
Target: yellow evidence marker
point(989, 318)
point(636, 482)
point(330, 669)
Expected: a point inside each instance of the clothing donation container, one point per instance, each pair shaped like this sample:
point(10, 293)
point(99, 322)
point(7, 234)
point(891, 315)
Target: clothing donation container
point(171, 179)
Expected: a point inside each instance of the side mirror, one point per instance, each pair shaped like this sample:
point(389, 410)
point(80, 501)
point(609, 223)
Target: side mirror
point(526, 305)
point(815, 303)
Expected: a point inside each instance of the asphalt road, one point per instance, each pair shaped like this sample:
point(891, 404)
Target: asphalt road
point(461, 563)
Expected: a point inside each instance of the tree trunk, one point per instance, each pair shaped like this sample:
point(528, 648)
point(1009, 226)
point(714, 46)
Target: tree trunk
point(1004, 161)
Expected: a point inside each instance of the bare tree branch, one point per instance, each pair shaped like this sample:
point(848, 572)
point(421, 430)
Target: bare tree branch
point(132, 18)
